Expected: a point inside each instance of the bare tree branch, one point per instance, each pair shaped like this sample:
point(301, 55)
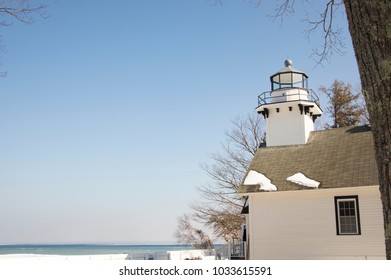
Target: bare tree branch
point(332, 35)
point(322, 22)
point(282, 10)
point(20, 10)
point(220, 206)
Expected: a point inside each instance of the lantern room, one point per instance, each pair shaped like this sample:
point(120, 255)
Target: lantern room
point(289, 78)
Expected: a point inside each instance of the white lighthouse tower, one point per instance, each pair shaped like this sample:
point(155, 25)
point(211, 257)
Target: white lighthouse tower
point(290, 108)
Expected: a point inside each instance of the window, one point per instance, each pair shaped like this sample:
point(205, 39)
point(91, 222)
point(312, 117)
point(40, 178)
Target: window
point(347, 215)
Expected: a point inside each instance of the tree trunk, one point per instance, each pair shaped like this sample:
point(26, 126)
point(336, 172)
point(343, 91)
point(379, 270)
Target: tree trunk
point(370, 29)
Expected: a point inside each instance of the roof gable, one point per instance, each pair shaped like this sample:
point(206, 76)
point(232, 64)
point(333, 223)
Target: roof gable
point(340, 157)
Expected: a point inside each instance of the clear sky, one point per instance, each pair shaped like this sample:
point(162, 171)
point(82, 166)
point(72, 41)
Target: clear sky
point(109, 108)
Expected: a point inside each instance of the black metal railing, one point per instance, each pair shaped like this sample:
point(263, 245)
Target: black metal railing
point(266, 98)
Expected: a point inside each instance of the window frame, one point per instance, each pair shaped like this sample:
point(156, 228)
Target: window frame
point(338, 199)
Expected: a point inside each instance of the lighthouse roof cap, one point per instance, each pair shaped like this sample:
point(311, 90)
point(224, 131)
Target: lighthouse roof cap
point(288, 68)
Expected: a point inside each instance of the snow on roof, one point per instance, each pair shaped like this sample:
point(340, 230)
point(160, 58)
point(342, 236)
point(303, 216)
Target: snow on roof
point(255, 178)
point(301, 179)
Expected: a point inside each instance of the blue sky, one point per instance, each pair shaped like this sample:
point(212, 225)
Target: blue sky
point(109, 108)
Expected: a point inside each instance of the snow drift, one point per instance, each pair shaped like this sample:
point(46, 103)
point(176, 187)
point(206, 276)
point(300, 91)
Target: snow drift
point(301, 179)
point(255, 178)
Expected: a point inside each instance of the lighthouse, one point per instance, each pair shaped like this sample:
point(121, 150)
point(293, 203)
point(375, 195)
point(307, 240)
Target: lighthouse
point(290, 108)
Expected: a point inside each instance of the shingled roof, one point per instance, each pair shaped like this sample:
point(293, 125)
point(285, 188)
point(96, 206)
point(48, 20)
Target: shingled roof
point(340, 157)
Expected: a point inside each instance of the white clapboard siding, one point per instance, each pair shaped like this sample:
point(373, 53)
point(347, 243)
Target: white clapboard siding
point(302, 225)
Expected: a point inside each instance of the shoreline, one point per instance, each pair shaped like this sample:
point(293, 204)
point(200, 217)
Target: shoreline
point(24, 257)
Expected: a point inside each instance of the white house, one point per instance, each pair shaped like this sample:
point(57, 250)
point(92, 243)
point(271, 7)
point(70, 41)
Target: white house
point(310, 194)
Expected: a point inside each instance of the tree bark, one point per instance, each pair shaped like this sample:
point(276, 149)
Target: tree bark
point(370, 29)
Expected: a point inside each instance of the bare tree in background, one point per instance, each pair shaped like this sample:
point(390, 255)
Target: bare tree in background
point(20, 11)
point(188, 234)
point(220, 206)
